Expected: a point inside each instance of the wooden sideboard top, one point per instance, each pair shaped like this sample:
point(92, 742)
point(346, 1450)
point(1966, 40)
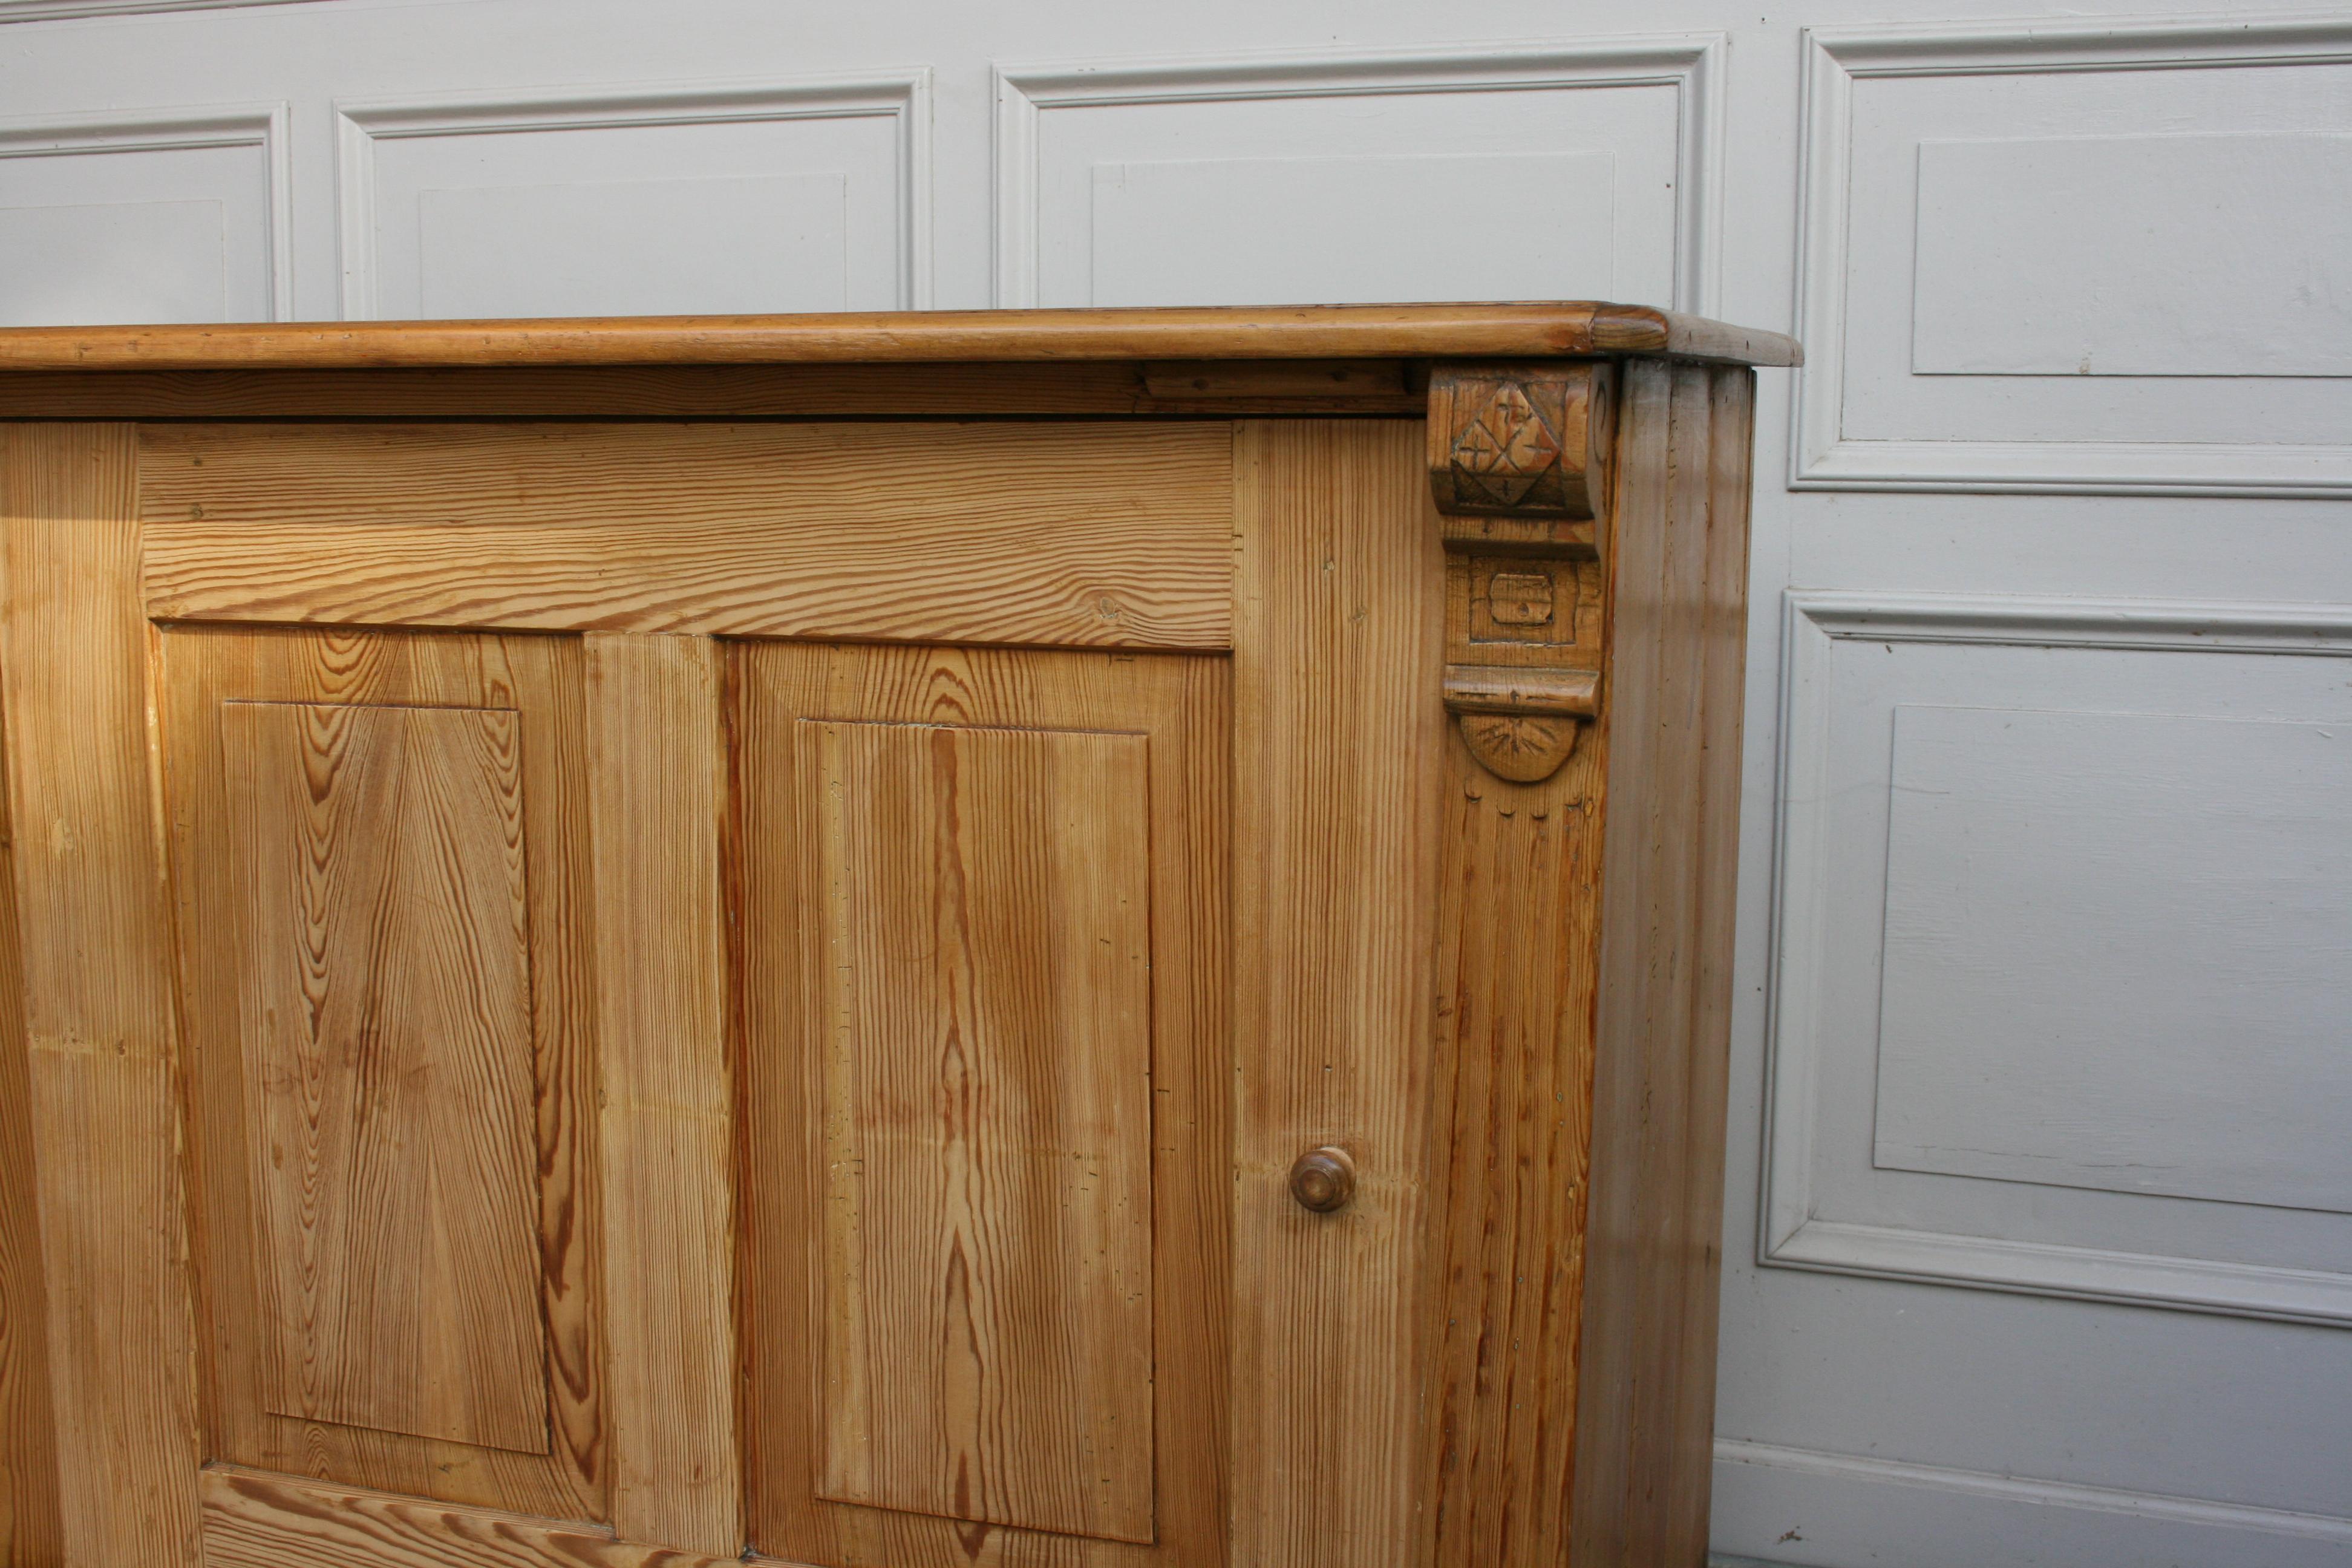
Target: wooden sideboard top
point(1565, 328)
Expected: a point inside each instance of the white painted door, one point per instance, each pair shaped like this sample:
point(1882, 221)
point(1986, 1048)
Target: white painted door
point(2040, 1220)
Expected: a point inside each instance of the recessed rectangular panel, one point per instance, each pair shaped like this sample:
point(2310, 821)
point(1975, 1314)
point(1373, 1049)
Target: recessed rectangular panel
point(593, 247)
point(1326, 229)
point(2118, 953)
point(984, 937)
point(635, 201)
point(97, 263)
point(2139, 255)
point(139, 220)
point(1539, 173)
point(987, 1078)
point(388, 1065)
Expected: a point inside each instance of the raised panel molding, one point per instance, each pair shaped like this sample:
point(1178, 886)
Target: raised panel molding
point(47, 10)
point(903, 98)
point(385, 991)
point(1821, 456)
point(166, 130)
point(1690, 63)
point(1793, 1234)
point(999, 1251)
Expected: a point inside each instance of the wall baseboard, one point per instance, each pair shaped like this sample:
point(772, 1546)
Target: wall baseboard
point(1813, 1510)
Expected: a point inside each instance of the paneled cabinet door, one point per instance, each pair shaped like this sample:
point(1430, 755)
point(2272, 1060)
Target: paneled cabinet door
point(601, 988)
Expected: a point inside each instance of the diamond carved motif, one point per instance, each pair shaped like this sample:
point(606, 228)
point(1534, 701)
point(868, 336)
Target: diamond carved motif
point(1504, 451)
point(1518, 460)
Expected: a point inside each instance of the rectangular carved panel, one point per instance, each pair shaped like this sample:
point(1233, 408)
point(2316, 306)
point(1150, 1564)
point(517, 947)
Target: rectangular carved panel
point(986, 1023)
point(387, 998)
point(987, 1079)
point(379, 867)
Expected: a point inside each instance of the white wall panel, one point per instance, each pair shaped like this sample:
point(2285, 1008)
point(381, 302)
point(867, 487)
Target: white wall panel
point(2093, 256)
point(808, 196)
point(2066, 950)
point(2118, 953)
point(1571, 170)
point(47, 10)
point(2167, 254)
point(597, 248)
point(144, 215)
point(1282, 222)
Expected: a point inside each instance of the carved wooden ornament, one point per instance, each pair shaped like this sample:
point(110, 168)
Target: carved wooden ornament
point(1518, 441)
point(1518, 463)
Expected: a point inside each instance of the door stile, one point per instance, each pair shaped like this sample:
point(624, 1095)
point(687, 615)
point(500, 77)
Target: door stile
point(28, 1460)
point(657, 801)
point(96, 960)
point(1338, 771)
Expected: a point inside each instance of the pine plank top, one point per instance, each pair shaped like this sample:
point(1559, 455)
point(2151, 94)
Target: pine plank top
point(1567, 328)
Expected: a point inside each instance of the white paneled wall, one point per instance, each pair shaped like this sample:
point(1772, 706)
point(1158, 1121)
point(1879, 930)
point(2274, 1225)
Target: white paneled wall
point(808, 196)
point(2039, 1236)
point(2063, 923)
point(2080, 258)
point(146, 214)
point(1585, 171)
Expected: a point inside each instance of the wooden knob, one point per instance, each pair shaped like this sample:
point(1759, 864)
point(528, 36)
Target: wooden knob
point(1324, 1179)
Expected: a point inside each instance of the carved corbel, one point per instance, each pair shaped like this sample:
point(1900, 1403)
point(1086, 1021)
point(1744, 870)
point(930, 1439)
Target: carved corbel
point(1519, 464)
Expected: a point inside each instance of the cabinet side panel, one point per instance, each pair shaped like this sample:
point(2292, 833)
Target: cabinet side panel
point(98, 1005)
point(1678, 559)
point(28, 1461)
point(1338, 768)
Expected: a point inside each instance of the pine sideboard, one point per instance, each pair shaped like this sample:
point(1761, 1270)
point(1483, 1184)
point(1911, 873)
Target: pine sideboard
point(1031, 940)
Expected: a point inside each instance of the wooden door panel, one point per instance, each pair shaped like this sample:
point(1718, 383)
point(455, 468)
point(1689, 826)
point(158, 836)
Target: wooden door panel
point(385, 1009)
point(377, 858)
point(987, 1078)
point(982, 900)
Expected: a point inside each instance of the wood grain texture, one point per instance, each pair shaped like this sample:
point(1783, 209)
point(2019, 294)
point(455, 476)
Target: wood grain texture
point(1082, 533)
point(718, 392)
point(1338, 742)
point(445, 686)
point(966, 1149)
point(1524, 440)
point(29, 1526)
point(985, 932)
point(1362, 385)
point(1671, 710)
point(657, 765)
point(386, 999)
point(96, 945)
point(1297, 332)
point(254, 1520)
point(1512, 1081)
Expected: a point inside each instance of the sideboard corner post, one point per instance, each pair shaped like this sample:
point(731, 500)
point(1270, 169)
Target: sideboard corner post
point(1518, 466)
point(1651, 1232)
